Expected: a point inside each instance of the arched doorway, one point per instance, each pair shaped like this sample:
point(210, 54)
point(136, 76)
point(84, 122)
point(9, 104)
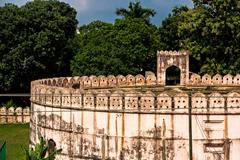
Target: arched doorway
point(173, 74)
point(51, 146)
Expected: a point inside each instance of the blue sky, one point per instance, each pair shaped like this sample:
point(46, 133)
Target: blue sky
point(104, 10)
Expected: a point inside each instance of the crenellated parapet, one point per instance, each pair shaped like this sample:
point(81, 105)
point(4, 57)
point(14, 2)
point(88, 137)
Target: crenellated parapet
point(101, 81)
point(166, 61)
point(14, 115)
point(132, 100)
point(215, 80)
point(139, 80)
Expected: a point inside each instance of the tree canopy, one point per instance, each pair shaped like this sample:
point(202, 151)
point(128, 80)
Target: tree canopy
point(34, 42)
point(125, 47)
point(168, 31)
point(212, 34)
point(39, 40)
point(210, 31)
point(135, 10)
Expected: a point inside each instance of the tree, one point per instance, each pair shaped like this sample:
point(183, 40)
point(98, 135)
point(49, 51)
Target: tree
point(168, 31)
point(137, 43)
point(211, 31)
point(93, 56)
point(170, 39)
point(41, 151)
point(9, 23)
point(35, 42)
point(135, 10)
point(127, 47)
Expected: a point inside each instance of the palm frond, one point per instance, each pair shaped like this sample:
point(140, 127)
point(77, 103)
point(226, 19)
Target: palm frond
point(135, 10)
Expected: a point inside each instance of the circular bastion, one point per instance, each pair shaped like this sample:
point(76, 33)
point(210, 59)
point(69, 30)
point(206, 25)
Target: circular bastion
point(139, 117)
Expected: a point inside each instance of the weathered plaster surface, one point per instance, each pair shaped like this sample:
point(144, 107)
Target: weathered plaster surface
point(136, 117)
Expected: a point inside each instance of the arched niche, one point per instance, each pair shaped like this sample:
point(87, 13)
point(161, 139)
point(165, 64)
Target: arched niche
point(51, 146)
point(173, 75)
point(166, 59)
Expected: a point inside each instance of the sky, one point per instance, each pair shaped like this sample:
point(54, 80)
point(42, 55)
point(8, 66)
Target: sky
point(104, 10)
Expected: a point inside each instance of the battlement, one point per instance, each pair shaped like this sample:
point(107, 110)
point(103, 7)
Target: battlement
point(147, 93)
point(166, 60)
point(14, 115)
point(172, 53)
point(216, 80)
point(133, 99)
point(139, 80)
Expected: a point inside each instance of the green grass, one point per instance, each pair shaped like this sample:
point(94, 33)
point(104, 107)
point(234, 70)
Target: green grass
point(16, 137)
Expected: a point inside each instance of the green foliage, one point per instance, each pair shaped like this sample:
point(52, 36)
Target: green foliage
point(93, 54)
point(39, 40)
point(126, 47)
point(168, 31)
point(211, 31)
point(137, 43)
point(135, 10)
point(16, 137)
point(170, 39)
point(40, 152)
point(9, 104)
point(34, 42)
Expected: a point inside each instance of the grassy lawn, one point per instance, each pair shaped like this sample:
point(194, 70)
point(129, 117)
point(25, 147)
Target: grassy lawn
point(16, 136)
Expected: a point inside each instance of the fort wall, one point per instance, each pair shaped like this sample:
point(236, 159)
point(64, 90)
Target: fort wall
point(138, 117)
point(14, 115)
point(135, 121)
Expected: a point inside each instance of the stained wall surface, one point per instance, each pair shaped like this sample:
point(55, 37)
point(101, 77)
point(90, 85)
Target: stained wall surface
point(138, 117)
point(123, 123)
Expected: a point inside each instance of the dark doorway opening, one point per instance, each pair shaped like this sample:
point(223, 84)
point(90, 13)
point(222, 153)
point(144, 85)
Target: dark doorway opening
point(173, 74)
point(51, 146)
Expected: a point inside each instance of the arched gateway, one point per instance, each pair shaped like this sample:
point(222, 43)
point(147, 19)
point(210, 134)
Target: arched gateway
point(166, 60)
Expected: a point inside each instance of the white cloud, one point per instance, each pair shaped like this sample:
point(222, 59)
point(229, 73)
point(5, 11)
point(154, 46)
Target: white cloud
point(17, 2)
point(89, 10)
point(79, 5)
